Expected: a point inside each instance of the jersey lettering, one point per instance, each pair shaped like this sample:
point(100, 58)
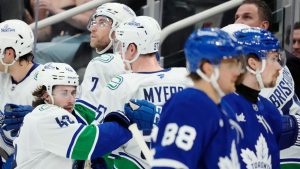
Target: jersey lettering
point(64, 121)
point(160, 94)
point(281, 93)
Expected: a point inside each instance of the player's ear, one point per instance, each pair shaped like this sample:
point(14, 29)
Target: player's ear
point(253, 63)
point(9, 52)
point(207, 68)
point(132, 49)
point(46, 97)
point(265, 25)
point(113, 35)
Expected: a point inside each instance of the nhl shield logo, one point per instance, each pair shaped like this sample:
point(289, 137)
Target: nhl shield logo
point(255, 107)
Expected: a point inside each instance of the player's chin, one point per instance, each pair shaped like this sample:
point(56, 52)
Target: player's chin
point(69, 108)
point(271, 84)
point(229, 89)
point(92, 43)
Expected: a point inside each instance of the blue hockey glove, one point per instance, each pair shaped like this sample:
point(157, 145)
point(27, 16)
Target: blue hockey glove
point(14, 116)
point(141, 112)
point(290, 131)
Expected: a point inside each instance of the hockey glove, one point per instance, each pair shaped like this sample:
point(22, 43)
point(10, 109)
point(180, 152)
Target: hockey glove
point(14, 116)
point(290, 131)
point(142, 112)
point(119, 117)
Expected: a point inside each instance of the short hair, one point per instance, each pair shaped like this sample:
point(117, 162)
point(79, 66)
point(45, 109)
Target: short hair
point(297, 25)
point(27, 57)
point(264, 11)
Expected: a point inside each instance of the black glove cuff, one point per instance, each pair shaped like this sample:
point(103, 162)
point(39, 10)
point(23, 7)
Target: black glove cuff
point(118, 117)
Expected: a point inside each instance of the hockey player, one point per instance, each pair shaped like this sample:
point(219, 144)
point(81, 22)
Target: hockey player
point(103, 68)
point(51, 136)
point(17, 78)
point(256, 13)
point(194, 130)
point(259, 118)
point(137, 41)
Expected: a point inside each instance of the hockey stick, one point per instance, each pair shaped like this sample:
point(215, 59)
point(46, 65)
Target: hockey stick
point(138, 137)
point(3, 154)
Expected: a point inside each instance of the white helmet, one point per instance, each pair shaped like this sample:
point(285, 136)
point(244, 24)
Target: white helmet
point(117, 12)
point(17, 35)
point(57, 74)
point(232, 28)
point(143, 31)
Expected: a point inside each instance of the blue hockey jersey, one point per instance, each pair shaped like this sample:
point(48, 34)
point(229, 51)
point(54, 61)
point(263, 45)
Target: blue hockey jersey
point(261, 124)
point(195, 133)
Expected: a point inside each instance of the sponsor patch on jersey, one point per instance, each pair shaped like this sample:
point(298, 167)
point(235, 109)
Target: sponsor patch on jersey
point(115, 82)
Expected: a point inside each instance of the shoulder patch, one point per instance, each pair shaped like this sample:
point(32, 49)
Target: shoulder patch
point(35, 75)
point(45, 107)
point(115, 82)
point(105, 58)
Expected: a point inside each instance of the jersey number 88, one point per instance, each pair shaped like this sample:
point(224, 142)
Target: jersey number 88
point(183, 136)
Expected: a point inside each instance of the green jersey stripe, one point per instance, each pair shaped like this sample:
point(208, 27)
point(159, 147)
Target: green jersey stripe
point(84, 111)
point(85, 143)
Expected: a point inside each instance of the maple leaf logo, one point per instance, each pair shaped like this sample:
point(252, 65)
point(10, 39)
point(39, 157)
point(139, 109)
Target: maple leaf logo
point(232, 162)
point(260, 160)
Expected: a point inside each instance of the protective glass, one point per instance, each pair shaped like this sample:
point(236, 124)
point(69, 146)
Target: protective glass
point(277, 56)
point(65, 94)
point(100, 23)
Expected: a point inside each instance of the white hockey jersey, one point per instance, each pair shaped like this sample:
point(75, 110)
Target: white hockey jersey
point(284, 98)
point(156, 87)
point(16, 93)
point(98, 73)
point(46, 139)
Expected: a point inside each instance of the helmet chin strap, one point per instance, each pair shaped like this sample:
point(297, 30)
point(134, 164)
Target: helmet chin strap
point(213, 80)
point(108, 46)
point(128, 62)
point(6, 65)
point(258, 73)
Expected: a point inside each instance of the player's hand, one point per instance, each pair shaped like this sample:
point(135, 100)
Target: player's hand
point(142, 112)
point(119, 117)
point(14, 116)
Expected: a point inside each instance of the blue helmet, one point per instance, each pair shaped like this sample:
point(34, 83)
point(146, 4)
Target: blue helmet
point(209, 44)
point(257, 41)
